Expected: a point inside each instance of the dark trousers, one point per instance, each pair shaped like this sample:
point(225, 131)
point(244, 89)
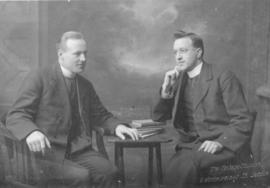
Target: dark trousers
point(82, 170)
point(185, 165)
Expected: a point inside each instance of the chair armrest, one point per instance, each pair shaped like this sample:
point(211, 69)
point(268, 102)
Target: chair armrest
point(6, 133)
point(19, 161)
point(100, 132)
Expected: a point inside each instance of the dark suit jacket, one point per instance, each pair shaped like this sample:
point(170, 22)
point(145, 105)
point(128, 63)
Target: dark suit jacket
point(221, 112)
point(43, 104)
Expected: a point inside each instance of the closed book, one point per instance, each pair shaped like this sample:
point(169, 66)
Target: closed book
point(145, 132)
point(145, 123)
point(149, 128)
point(147, 135)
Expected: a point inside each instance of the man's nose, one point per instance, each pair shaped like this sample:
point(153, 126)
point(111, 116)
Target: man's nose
point(178, 56)
point(82, 57)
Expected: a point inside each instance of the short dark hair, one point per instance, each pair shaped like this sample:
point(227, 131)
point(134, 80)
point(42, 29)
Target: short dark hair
point(68, 35)
point(196, 39)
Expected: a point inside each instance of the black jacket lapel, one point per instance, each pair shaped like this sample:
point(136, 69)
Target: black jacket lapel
point(203, 84)
point(58, 84)
point(177, 94)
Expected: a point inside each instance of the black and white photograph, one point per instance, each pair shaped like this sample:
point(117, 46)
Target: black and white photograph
point(135, 94)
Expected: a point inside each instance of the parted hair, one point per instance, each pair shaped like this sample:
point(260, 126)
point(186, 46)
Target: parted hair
point(61, 45)
point(197, 41)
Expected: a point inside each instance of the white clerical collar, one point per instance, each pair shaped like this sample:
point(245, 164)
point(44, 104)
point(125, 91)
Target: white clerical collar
point(195, 71)
point(67, 73)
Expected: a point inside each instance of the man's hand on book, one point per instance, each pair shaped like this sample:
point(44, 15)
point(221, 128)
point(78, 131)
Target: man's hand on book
point(121, 131)
point(145, 123)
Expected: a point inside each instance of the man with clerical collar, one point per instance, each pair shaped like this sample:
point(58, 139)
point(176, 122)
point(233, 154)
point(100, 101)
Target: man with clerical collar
point(55, 112)
point(208, 109)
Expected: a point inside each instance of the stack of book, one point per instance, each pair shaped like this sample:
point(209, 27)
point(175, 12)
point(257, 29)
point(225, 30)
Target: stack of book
point(147, 127)
point(145, 123)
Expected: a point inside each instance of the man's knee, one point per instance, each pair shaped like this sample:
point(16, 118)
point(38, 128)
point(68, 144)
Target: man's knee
point(76, 177)
point(182, 168)
point(79, 176)
point(108, 172)
point(113, 171)
point(82, 176)
point(105, 168)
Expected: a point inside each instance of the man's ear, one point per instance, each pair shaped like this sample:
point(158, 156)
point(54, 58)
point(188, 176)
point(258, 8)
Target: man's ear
point(199, 53)
point(59, 53)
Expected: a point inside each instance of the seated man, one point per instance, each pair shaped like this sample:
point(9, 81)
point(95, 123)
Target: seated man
point(54, 113)
point(208, 109)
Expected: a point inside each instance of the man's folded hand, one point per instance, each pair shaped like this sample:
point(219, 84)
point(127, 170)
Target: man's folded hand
point(210, 147)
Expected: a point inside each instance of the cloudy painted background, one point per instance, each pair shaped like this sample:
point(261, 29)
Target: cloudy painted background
point(130, 48)
point(130, 42)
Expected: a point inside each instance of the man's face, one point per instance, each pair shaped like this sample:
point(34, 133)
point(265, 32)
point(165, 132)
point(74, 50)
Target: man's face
point(186, 56)
point(73, 57)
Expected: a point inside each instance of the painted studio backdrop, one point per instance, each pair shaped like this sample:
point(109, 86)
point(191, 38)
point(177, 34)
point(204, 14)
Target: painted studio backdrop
point(130, 47)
